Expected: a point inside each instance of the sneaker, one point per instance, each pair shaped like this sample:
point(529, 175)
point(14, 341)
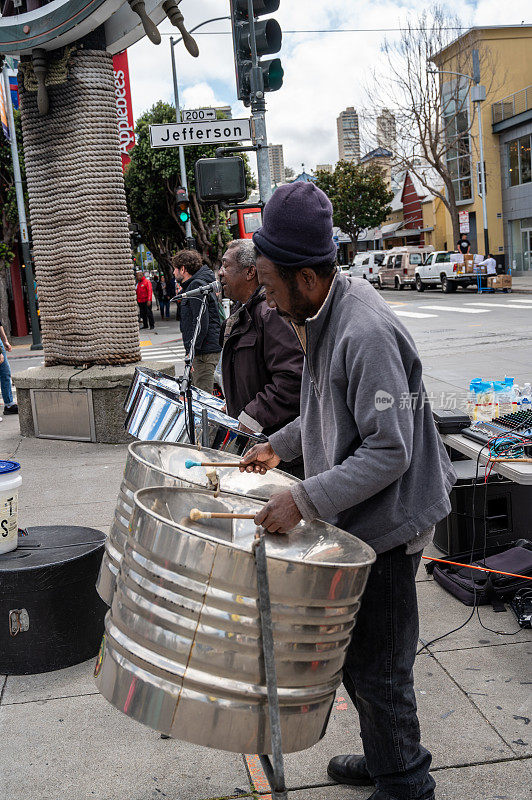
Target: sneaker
point(12, 409)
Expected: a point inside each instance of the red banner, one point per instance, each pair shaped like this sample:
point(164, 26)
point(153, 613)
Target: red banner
point(124, 107)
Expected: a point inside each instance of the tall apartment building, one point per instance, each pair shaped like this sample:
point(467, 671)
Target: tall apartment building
point(348, 135)
point(275, 154)
point(386, 130)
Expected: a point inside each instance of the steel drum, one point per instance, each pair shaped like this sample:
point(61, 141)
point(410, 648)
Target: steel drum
point(159, 380)
point(182, 651)
point(163, 464)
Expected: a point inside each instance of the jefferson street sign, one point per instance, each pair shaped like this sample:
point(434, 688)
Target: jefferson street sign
point(174, 134)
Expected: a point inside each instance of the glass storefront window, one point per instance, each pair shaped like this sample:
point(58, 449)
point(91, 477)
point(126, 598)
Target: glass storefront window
point(519, 161)
point(524, 159)
point(455, 109)
point(520, 236)
point(513, 161)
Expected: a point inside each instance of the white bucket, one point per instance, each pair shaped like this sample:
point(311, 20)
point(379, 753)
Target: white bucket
point(10, 480)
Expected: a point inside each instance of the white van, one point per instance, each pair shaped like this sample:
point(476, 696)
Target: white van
point(366, 265)
point(399, 265)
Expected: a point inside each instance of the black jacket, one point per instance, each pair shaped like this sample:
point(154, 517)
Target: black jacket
point(262, 363)
point(208, 340)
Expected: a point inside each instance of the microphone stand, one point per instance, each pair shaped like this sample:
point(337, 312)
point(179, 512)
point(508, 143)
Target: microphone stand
point(186, 380)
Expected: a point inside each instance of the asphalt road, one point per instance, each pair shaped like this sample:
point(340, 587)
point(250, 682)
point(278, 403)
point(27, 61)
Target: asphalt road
point(459, 336)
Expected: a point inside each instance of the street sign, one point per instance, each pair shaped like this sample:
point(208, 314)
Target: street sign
point(175, 134)
point(198, 114)
point(463, 219)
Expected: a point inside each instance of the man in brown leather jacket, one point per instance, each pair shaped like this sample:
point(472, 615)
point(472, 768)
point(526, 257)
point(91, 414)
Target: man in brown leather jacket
point(262, 359)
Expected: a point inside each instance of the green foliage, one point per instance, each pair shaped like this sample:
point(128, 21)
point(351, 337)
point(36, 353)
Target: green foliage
point(8, 200)
point(359, 196)
point(152, 179)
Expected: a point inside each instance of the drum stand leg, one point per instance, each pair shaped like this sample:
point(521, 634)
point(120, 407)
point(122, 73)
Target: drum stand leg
point(274, 768)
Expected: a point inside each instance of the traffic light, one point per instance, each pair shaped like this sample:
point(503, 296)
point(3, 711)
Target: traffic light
point(268, 75)
point(135, 236)
point(183, 206)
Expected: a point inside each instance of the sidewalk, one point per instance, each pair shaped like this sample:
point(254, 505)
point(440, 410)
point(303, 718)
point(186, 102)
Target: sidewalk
point(60, 737)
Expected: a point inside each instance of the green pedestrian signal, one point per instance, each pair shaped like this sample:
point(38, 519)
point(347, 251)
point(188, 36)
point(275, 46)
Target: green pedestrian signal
point(183, 206)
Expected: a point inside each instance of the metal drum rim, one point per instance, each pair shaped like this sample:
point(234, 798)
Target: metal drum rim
point(132, 447)
point(371, 555)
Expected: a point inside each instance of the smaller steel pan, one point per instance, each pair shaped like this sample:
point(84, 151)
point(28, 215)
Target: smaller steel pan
point(182, 648)
point(159, 415)
point(159, 380)
point(163, 464)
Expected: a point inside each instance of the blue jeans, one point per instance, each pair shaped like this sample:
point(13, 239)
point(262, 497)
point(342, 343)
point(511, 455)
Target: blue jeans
point(165, 308)
point(5, 378)
point(379, 679)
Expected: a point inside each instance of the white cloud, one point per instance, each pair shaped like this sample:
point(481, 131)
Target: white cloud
point(324, 73)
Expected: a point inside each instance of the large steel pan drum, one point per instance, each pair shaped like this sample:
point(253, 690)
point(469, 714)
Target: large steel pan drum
point(182, 649)
point(163, 464)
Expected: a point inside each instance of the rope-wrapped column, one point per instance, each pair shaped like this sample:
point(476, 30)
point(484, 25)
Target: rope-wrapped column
point(79, 217)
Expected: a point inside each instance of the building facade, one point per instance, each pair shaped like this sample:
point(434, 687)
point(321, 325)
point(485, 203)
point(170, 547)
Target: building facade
point(506, 123)
point(348, 132)
point(324, 168)
point(386, 130)
point(275, 155)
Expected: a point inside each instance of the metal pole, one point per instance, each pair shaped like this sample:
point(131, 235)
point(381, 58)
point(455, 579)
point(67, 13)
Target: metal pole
point(483, 181)
point(182, 166)
point(258, 113)
point(24, 239)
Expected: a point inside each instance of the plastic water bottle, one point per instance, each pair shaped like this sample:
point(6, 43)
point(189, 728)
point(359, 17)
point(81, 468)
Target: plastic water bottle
point(485, 401)
point(472, 398)
point(505, 397)
point(526, 398)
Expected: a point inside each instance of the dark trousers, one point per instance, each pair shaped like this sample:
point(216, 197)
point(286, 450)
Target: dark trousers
point(165, 308)
point(146, 315)
point(379, 679)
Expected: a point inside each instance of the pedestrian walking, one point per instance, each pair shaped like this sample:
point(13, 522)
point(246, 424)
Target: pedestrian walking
point(10, 407)
point(191, 274)
point(144, 300)
point(262, 358)
point(374, 464)
point(163, 295)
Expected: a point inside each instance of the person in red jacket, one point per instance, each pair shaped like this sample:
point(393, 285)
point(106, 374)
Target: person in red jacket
point(144, 300)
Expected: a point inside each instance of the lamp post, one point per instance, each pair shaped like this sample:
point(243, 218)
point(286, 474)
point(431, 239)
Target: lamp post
point(478, 95)
point(182, 166)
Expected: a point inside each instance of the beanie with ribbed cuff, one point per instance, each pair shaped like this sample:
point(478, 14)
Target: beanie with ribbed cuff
point(297, 229)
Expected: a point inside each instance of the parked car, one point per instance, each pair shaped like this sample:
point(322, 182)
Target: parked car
point(446, 268)
point(399, 265)
point(366, 265)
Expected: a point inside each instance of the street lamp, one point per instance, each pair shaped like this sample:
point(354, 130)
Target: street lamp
point(478, 94)
point(182, 167)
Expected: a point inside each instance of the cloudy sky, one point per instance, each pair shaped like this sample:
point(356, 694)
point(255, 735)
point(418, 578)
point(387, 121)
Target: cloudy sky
point(324, 72)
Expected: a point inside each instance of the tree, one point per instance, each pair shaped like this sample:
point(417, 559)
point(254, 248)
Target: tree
point(10, 226)
point(288, 173)
point(152, 178)
point(432, 111)
point(359, 197)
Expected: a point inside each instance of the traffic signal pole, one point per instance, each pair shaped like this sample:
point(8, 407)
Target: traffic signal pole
point(258, 114)
point(182, 165)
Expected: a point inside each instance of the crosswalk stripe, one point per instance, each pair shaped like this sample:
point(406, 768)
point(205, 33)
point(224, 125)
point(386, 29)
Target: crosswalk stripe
point(501, 305)
point(457, 309)
point(413, 314)
point(521, 299)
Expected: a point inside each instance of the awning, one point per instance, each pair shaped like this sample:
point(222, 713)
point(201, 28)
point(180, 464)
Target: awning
point(401, 232)
point(387, 230)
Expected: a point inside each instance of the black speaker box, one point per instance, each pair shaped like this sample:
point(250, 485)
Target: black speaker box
point(508, 512)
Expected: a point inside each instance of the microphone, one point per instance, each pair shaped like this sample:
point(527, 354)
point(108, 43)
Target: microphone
point(215, 286)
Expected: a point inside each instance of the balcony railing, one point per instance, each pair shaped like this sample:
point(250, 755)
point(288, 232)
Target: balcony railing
point(512, 105)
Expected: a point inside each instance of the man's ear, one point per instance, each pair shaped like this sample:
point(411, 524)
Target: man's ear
point(251, 273)
point(309, 278)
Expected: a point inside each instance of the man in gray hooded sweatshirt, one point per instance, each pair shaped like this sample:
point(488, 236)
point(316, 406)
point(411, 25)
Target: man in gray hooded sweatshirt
point(374, 466)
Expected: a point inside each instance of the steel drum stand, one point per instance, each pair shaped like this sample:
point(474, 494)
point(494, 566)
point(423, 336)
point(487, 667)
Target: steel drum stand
point(274, 771)
point(186, 382)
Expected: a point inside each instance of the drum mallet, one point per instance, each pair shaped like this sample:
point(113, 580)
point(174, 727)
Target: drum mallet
point(189, 464)
point(195, 514)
